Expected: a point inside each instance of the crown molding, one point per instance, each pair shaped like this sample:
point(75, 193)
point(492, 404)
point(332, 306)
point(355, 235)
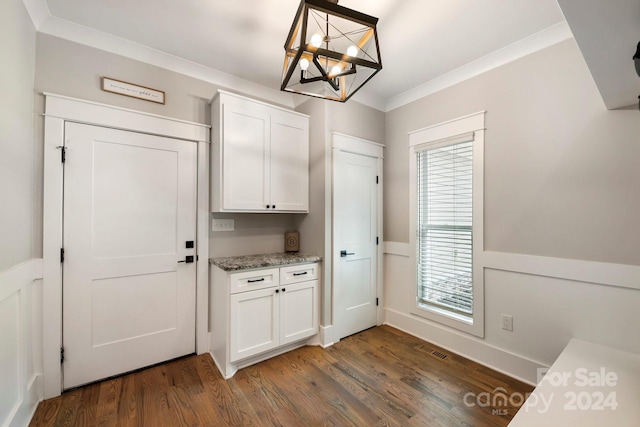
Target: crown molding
point(548, 37)
point(38, 11)
point(45, 23)
point(97, 39)
point(370, 100)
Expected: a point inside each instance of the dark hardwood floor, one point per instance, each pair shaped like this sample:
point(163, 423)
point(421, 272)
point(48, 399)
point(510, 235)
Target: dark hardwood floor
point(379, 377)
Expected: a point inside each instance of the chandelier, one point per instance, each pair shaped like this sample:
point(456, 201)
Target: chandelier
point(331, 51)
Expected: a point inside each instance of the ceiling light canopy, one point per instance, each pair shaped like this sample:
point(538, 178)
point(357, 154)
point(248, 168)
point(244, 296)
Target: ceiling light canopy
point(331, 51)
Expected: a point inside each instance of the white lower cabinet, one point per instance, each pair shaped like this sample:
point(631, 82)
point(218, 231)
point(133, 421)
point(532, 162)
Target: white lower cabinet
point(254, 323)
point(261, 313)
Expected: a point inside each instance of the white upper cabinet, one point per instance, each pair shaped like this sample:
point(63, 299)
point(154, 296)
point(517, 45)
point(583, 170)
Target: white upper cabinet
point(260, 157)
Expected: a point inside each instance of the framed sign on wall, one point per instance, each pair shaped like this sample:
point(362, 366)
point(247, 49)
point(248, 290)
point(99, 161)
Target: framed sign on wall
point(132, 90)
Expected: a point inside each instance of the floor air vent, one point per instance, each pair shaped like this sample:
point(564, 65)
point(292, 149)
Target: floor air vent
point(439, 355)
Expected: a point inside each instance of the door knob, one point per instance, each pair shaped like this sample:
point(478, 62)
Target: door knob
point(188, 259)
point(344, 253)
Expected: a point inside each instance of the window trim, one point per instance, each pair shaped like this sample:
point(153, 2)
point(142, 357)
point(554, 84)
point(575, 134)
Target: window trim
point(447, 133)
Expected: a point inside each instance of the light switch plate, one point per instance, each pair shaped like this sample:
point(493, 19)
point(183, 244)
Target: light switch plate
point(222, 224)
point(507, 322)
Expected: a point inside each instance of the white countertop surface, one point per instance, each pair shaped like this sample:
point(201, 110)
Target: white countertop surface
point(588, 385)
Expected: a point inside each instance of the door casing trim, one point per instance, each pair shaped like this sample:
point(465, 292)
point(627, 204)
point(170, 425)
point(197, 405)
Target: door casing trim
point(58, 110)
point(355, 145)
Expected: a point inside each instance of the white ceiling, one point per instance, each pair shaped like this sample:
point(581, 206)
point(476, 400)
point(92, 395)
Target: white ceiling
point(420, 40)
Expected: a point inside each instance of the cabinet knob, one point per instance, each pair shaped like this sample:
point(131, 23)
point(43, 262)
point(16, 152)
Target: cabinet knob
point(273, 206)
point(283, 289)
point(277, 291)
point(267, 206)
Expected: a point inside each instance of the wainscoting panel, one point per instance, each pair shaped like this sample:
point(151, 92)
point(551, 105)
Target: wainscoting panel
point(21, 349)
point(551, 300)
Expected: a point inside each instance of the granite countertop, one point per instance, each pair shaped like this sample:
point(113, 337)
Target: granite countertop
point(248, 262)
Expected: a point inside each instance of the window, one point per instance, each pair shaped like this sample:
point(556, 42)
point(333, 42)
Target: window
point(446, 210)
point(445, 232)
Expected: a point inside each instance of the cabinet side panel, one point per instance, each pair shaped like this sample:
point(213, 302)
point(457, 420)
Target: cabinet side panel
point(216, 156)
point(219, 317)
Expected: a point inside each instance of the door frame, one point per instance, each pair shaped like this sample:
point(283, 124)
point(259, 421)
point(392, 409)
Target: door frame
point(351, 144)
point(59, 110)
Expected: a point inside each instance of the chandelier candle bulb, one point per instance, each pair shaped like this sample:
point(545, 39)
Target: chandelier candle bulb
point(336, 48)
point(316, 40)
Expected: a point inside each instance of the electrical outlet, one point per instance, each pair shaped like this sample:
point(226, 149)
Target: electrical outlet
point(507, 322)
point(222, 224)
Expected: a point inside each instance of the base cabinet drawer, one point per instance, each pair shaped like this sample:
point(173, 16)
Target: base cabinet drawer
point(253, 280)
point(298, 273)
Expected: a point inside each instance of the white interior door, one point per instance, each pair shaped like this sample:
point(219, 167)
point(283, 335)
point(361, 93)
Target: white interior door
point(129, 209)
point(354, 242)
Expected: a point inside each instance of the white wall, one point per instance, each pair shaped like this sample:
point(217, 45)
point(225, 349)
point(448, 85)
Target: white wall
point(253, 234)
point(351, 118)
point(561, 238)
point(17, 46)
point(313, 226)
point(560, 182)
point(67, 68)
point(20, 289)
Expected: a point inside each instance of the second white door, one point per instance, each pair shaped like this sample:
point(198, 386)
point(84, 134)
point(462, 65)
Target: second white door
point(129, 228)
point(354, 242)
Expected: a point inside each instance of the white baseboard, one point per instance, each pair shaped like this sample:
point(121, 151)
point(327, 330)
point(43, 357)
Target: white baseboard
point(26, 409)
point(236, 366)
point(219, 366)
point(514, 365)
point(326, 336)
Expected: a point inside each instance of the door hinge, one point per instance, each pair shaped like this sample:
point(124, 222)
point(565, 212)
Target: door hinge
point(377, 302)
point(63, 152)
point(61, 255)
point(61, 354)
point(377, 182)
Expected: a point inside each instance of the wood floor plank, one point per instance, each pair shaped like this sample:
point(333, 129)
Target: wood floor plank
point(345, 407)
point(379, 377)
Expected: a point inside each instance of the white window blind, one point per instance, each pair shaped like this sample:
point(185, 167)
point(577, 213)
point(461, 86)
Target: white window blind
point(445, 226)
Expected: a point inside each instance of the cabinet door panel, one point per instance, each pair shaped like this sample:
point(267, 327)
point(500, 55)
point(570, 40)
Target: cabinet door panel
point(254, 323)
point(289, 162)
point(298, 311)
point(245, 157)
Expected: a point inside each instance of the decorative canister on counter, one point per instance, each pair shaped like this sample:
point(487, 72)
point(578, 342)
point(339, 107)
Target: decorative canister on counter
point(291, 241)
